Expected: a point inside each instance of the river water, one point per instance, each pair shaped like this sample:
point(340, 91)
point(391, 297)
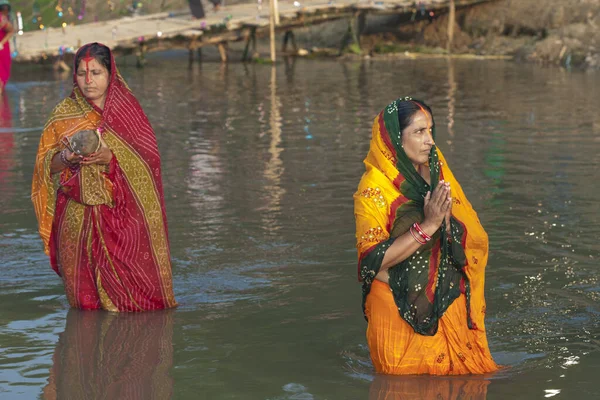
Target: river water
point(260, 165)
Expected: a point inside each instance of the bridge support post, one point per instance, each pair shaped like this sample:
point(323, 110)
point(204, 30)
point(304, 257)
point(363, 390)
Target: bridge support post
point(223, 51)
point(61, 65)
point(289, 36)
point(451, 22)
point(272, 23)
point(276, 12)
point(191, 48)
point(250, 41)
point(356, 26)
point(199, 52)
point(141, 54)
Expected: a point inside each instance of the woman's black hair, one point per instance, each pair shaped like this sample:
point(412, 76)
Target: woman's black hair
point(5, 6)
point(100, 52)
point(407, 110)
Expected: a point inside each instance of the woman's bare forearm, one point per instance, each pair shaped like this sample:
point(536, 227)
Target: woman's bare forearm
point(403, 247)
point(9, 32)
point(56, 165)
point(6, 38)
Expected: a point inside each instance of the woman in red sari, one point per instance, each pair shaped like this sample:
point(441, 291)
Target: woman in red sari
point(6, 31)
point(102, 217)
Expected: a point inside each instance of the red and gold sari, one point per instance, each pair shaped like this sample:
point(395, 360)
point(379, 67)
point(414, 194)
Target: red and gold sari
point(104, 227)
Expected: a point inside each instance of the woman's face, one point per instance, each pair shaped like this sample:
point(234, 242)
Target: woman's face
point(93, 79)
point(417, 139)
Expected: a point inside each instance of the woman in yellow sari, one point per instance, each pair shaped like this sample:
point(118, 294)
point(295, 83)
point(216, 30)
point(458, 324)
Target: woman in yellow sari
point(422, 253)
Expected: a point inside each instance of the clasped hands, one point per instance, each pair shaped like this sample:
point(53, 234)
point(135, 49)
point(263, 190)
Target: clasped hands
point(438, 206)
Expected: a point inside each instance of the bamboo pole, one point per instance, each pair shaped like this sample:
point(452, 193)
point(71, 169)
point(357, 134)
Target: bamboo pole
point(451, 22)
point(276, 11)
point(272, 28)
point(223, 51)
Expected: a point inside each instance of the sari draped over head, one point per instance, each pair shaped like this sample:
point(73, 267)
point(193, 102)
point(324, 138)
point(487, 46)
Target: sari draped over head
point(104, 227)
point(390, 198)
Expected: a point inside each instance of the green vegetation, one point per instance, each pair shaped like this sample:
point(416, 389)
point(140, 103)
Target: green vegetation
point(354, 48)
point(50, 10)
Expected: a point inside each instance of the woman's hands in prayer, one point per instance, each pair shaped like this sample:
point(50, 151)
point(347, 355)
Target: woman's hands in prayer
point(103, 156)
point(438, 206)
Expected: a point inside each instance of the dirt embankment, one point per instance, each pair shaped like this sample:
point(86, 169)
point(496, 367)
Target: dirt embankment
point(560, 32)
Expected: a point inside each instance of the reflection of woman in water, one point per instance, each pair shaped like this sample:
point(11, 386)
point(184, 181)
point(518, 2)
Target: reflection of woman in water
point(102, 218)
point(7, 144)
point(6, 32)
point(113, 356)
point(422, 253)
point(419, 387)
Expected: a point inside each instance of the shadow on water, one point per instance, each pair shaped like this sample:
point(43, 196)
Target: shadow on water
point(260, 164)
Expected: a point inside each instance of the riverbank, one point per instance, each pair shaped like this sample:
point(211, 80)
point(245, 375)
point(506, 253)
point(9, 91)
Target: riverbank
point(556, 32)
point(550, 32)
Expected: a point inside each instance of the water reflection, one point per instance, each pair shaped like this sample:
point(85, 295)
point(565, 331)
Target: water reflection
point(451, 96)
point(262, 229)
point(274, 168)
point(104, 355)
point(7, 149)
point(417, 387)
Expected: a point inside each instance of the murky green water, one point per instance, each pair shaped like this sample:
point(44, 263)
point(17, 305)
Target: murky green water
point(260, 166)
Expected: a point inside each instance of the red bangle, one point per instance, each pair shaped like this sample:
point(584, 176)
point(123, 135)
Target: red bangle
point(416, 237)
point(422, 233)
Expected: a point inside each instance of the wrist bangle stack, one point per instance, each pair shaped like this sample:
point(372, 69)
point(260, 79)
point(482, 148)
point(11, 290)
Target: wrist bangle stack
point(63, 159)
point(418, 234)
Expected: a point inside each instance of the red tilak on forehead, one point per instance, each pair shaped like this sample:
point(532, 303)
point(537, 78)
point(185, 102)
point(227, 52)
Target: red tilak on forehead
point(424, 112)
point(87, 60)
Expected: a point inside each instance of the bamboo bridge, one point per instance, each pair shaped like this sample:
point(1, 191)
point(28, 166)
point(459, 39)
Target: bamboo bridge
point(240, 22)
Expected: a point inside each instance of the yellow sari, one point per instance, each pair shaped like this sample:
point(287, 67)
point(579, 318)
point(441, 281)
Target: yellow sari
point(429, 319)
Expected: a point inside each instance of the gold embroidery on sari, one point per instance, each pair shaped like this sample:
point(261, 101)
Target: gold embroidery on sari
point(105, 301)
point(69, 255)
point(389, 156)
point(373, 235)
point(142, 185)
point(376, 195)
point(96, 189)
